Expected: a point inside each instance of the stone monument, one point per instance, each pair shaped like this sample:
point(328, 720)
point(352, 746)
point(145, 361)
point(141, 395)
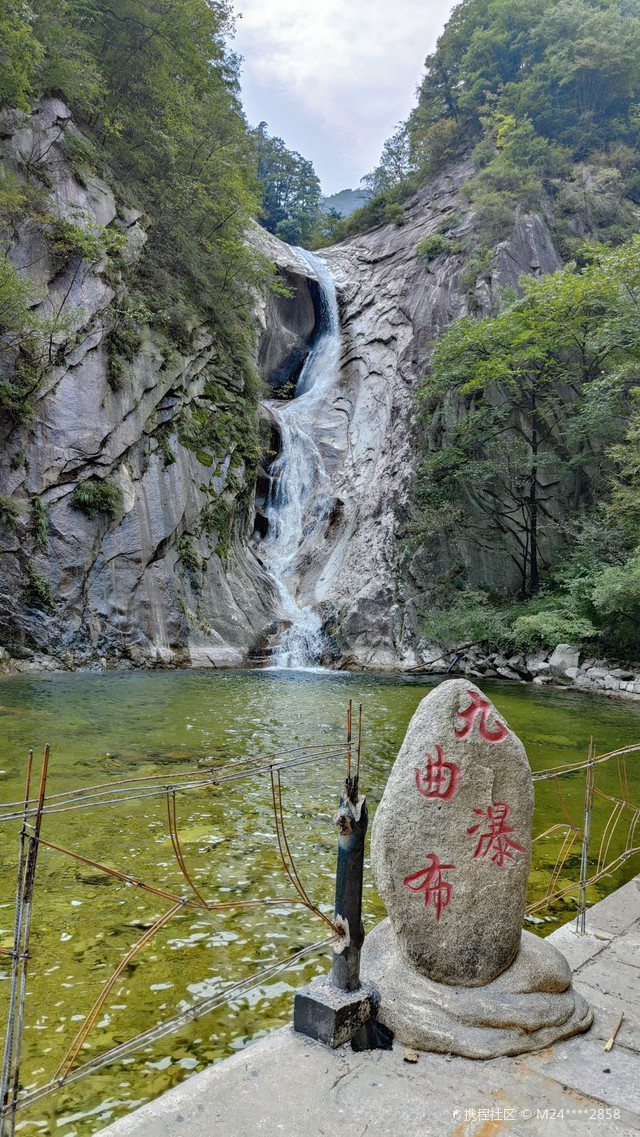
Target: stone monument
point(450, 851)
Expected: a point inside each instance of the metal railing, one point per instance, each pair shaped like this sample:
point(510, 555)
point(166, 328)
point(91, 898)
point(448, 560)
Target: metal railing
point(622, 818)
point(29, 815)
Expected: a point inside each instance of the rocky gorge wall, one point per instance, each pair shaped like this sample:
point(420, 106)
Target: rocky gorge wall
point(164, 575)
point(393, 306)
point(171, 574)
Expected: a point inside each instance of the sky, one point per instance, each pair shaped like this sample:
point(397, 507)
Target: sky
point(334, 77)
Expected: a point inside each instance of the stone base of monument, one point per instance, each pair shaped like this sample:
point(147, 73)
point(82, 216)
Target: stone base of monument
point(530, 1005)
point(333, 1016)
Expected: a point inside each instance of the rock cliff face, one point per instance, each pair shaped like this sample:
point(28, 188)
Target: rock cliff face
point(171, 571)
point(392, 308)
point(163, 576)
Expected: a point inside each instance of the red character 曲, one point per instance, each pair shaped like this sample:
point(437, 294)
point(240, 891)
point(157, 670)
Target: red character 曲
point(496, 842)
point(482, 707)
point(436, 890)
point(439, 778)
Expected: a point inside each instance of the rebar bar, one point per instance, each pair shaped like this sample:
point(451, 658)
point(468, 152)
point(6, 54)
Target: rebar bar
point(10, 1090)
point(7, 1058)
point(169, 1026)
point(581, 917)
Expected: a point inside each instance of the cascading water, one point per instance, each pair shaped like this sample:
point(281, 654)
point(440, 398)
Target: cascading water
point(300, 499)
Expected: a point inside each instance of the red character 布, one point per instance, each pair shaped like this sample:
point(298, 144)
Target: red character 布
point(482, 707)
point(436, 890)
point(496, 842)
point(439, 778)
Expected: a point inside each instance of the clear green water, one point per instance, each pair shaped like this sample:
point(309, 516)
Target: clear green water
point(115, 726)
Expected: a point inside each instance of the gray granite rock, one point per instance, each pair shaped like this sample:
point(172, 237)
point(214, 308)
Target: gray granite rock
point(564, 657)
point(451, 839)
point(529, 1006)
point(450, 850)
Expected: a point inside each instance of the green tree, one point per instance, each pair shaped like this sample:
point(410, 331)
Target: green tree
point(537, 393)
point(290, 189)
point(20, 53)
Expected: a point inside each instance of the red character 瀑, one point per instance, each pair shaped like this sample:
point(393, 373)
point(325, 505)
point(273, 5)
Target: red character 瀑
point(439, 778)
point(482, 707)
point(496, 842)
point(436, 890)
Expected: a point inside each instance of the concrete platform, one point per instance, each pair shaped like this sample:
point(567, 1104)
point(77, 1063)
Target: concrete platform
point(289, 1086)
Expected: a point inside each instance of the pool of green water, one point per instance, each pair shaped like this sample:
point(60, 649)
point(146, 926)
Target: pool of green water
point(105, 727)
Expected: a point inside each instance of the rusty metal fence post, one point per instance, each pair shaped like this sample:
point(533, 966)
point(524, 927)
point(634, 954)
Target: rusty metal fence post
point(335, 1008)
point(589, 781)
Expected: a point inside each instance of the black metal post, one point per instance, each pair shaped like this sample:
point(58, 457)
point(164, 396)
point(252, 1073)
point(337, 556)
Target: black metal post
point(352, 820)
point(339, 1008)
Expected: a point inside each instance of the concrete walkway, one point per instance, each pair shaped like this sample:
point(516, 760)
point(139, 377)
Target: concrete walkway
point(288, 1086)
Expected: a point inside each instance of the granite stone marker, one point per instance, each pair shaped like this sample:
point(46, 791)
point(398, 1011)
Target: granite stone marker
point(450, 851)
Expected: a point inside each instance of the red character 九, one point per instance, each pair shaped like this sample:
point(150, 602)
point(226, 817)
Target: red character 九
point(482, 707)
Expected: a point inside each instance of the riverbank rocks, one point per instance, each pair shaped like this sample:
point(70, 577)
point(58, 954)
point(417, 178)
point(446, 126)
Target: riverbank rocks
point(450, 851)
point(565, 660)
point(564, 667)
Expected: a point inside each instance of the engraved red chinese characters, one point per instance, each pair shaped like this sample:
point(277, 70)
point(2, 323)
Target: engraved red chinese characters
point(439, 778)
point(437, 891)
point(480, 706)
point(428, 804)
point(496, 842)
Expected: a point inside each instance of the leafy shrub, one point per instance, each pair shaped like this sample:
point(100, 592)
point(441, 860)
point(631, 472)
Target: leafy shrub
point(38, 588)
point(471, 618)
point(188, 555)
point(394, 213)
point(448, 222)
point(615, 596)
point(93, 497)
point(39, 524)
point(9, 511)
point(218, 522)
point(14, 298)
point(19, 55)
point(552, 626)
point(90, 241)
point(164, 445)
point(435, 244)
point(16, 391)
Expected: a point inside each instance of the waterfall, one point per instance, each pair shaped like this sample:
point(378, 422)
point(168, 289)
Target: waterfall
point(300, 498)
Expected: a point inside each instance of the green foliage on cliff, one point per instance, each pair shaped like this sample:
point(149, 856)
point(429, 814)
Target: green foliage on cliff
point(38, 588)
point(529, 88)
point(9, 511)
point(20, 54)
point(93, 497)
point(155, 92)
point(525, 411)
point(290, 189)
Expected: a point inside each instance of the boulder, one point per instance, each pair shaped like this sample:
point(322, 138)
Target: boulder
point(530, 1005)
point(451, 839)
point(563, 657)
point(450, 851)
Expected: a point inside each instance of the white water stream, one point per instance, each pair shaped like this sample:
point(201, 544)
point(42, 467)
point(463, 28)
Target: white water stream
point(300, 499)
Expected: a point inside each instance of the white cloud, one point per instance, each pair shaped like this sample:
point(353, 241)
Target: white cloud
point(334, 78)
